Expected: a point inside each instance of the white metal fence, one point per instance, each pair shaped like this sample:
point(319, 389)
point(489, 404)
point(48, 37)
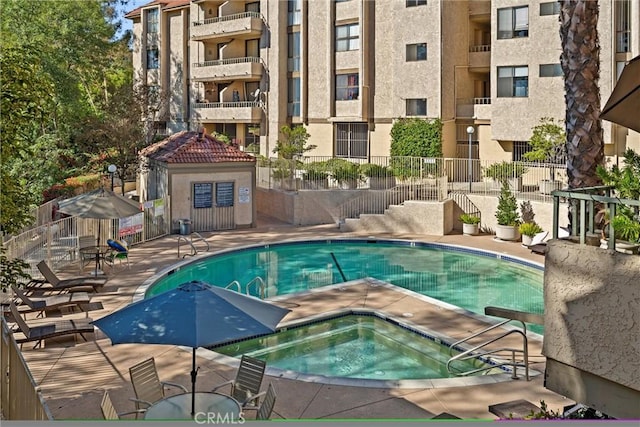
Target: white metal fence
point(58, 242)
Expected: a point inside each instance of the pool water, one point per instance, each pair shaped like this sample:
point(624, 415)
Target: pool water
point(468, 279)
point(353, 346)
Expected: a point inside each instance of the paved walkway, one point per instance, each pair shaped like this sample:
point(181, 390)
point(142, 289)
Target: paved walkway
point(73, 377)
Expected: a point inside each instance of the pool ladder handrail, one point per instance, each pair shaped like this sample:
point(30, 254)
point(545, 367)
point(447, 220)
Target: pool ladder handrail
point(510, 315)
point(190, 240)
point(260, 283)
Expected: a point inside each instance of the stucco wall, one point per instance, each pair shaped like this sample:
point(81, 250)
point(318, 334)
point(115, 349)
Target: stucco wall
point(592, 311)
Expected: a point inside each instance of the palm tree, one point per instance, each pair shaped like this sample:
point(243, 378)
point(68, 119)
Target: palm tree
point(580, 61)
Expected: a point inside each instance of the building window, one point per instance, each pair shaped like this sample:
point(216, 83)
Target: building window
point(412, 3)
point(293, 59)
point(513, 82)
point(152, 20)
point(252, 48)
point(513, 22)
point(352, 140)
point(550, 70)
point(519, 149)
point(293, 97)
point(294, 12)
point(417, 107)
point(623, 26)
point(347, 37)
point(417, 52)
point(550, 8)
point(347, 87)
point(252, 7)
point(252, 137)
point(153, 60)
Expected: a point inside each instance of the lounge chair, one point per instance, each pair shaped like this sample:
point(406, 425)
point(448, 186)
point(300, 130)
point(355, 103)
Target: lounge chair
point(109, 412)
point(245, 387)
point(264, 410)
point(42, 331)
point(147, 385)
point(41, 305)
point(52, 282)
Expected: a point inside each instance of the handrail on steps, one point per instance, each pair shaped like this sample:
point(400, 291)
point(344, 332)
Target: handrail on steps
point(509, 315)
point(261, 286)
point(190, 241)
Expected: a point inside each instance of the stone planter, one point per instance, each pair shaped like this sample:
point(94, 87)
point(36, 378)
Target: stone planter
point(349, 184)
point(470, 229)
point(507, 232)
point(526, 240)
point(316, 184)
point(622, 246)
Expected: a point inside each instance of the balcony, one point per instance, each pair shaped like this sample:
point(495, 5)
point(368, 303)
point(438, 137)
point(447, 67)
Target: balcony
point(229, 112)
point(478, 108)
point(480, 58)
point(239, 25)
point(248, 68)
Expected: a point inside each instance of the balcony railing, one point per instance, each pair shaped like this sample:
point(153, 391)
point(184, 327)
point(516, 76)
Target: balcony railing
point(229, 61)
point(245, 68)
point(228, 18)
point(480, 48)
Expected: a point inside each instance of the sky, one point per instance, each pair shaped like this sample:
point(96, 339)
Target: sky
point(126, 8)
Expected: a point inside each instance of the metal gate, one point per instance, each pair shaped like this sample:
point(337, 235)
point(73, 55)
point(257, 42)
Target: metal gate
point(213, 206)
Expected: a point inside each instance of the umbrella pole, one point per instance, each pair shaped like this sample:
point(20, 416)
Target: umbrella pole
point(98, 249)
point(194, 373)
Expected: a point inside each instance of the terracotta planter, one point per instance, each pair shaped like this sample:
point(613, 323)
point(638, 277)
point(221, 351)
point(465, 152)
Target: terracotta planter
point(507, 232)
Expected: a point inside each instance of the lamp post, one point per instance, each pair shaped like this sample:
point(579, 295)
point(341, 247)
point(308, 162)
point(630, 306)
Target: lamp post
point(470, 130)
point(112, 170)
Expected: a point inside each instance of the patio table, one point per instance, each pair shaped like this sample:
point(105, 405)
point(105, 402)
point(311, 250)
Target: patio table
point(209, 406)
point(95, 252)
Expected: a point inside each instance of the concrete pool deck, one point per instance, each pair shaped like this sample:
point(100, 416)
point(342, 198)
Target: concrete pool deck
point(73, 377)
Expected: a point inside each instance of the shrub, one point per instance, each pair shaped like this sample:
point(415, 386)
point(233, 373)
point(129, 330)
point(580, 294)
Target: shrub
point(316, 171)
point(507, 211)
point(529, 229)
point(373, 170)
point(526, 211)
point(504, 170)
point(343, 170)
point(469, 219)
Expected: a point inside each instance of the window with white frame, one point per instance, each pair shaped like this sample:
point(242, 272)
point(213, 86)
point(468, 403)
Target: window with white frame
point(513, 22)
point(413, 3)
point(347, 87)
point(152, 20)
point(293, 97)
point(417, 52)
point(294, 15)
point(293, 56)
point(416, 107)
point(550, 8)
point(352, 140)
point(623, 26)
point(153, 58)
point(347, 37)
point(550, 70)
point(513, 82)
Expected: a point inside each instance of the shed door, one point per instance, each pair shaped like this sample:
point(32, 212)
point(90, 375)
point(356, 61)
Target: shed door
point(213, 206)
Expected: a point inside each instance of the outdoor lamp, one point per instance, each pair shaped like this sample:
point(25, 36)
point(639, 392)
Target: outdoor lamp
point(112, 170)
point(470, 131)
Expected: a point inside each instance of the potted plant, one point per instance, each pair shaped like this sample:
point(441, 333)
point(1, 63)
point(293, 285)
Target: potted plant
point(506, 171)
point(528, 230)
point(627, 233)
point(507, 215)
point(470, 224)
point(548, 146)
point(346, 173)
point(380, 177)
point(316, 176)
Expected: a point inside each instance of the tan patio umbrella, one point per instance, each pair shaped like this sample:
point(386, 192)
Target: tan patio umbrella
point(623, 106)
point(99, 204)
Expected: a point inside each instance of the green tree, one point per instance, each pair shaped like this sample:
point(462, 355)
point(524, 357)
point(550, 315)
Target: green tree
point(548, 143)
point(293, 142)
point(580, 61)
point(416, 137)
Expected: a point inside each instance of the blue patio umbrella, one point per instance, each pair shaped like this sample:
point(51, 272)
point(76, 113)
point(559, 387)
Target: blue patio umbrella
point(195, 314)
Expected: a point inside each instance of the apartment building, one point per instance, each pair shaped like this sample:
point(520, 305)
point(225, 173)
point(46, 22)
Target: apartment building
point(346, 69)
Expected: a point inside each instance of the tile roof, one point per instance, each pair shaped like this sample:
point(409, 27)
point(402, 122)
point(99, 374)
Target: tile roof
point(166, 4)
point(187, 147)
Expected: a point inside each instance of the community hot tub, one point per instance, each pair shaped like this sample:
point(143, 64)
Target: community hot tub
point(357, 345)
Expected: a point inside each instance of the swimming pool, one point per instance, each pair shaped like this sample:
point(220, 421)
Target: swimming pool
point(467, 278)
point(356, 345)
